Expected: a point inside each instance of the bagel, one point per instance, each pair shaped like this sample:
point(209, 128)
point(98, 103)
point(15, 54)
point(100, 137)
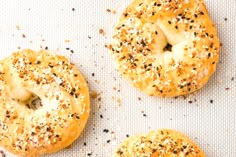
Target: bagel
point(44, 103)
point(161, 143)
point(166, 48)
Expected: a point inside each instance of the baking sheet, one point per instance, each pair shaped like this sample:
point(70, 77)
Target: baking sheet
point(207, 116)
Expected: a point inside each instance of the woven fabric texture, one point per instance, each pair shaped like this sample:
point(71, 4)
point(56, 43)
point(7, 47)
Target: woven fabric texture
point(80, 29)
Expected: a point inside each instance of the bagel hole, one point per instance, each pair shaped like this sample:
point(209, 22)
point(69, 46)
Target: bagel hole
point(34, 103)
point(168, 47)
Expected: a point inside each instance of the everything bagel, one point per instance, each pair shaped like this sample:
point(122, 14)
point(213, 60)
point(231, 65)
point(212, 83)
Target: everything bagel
point(161, 143)
point(166, 48)
point(44, 103)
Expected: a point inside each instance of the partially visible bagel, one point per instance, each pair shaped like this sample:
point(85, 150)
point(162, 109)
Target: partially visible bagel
point(161, 143)
point(166, 47)
point(44, 103)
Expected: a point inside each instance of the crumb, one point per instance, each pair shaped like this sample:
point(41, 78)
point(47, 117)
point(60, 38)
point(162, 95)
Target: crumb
point(102, 32)
point(68, 147)
point(99, 99)
point(226, 19)
point(23, 36)
point(67, 41)
point(119, 101)
point(139, 98)
point(113, 12)
point(17, 27)
point(96, 81)
point(113, 135)
point(94, 94)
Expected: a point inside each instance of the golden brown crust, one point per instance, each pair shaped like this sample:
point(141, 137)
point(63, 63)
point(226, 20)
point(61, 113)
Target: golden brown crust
point(29, 130)
point(140, 49)
point(162, 143)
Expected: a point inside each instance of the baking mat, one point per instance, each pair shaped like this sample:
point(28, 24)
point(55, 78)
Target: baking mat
point(79, 29)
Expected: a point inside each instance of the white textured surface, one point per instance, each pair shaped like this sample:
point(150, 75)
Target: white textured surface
point(212, 126)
